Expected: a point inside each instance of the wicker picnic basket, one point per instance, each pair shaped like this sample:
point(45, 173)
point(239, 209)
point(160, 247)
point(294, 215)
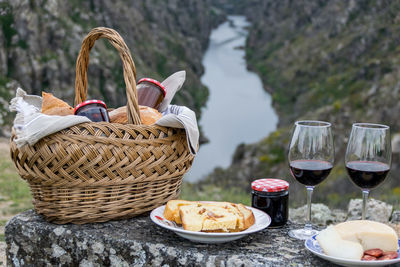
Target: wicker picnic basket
point(96, 172)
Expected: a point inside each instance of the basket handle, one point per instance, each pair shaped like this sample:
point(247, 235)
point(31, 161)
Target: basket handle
point(82, 64)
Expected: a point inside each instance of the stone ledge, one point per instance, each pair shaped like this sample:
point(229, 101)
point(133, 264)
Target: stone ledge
point(31, 241)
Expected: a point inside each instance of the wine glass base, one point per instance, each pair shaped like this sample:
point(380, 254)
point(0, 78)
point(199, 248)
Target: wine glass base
point(302, 234)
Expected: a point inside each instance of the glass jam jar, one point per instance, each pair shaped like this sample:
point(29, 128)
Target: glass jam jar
point(95, 110)
point(150, 92)
point(272, 197)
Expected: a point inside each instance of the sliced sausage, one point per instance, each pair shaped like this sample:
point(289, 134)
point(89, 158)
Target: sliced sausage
point(368, 258)
point(389, 255)
point(375, 252)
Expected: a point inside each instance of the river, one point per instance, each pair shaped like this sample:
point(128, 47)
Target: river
point(238, 109)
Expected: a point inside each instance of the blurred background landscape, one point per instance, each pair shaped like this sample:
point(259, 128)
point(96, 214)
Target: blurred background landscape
point(337, 61)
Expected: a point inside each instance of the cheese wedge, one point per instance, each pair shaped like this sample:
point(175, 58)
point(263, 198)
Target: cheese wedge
point(334, 245)
point(369, 234)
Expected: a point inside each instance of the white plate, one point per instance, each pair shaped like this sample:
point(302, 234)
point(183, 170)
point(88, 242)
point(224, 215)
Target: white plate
point(262, 222)
point(313, 246)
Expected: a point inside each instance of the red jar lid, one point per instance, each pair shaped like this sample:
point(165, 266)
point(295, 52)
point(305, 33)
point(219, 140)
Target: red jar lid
point(270, 185)
point(87, 102)
point(153, 82)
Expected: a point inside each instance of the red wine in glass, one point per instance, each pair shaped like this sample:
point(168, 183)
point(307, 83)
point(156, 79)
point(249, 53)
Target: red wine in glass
point(310, 172)
point(368, 157)
point(367, 174)
point(311, 157)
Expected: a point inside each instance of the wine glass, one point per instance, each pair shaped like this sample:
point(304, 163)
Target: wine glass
point(311, 157)
point(368, 157)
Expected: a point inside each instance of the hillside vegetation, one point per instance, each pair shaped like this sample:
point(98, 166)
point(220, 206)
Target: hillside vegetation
point(40, 41)
point(326, 60)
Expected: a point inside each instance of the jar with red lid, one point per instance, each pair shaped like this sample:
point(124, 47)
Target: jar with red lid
point(272, 197)
point(95, 110)
point(150, 92)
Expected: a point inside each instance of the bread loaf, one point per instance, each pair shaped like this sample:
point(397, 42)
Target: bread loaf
point(118, 115)
point(244, 218)
point(52, 105)
point(248, 216)
point(171, 211)
point(148, 115)
point(207, 218)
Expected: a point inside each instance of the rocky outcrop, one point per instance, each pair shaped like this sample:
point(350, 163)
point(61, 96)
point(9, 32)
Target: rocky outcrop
point(322, 215)
point(31, 241)
point(40, 40)
point(376, 210)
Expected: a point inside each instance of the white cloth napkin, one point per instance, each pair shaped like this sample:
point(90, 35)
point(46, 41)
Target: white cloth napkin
point(172, 85)
point(182, 117)
point(31, 125)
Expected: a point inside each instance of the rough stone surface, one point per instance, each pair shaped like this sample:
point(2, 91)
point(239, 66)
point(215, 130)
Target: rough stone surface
point(320, 214)
point(2, 253)
point(396, 143)
point(31, 241)
point(395, 217)
point(376, 210)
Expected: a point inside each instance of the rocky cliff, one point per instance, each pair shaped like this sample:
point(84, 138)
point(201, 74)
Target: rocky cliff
point(40, 40)
point(328, 60)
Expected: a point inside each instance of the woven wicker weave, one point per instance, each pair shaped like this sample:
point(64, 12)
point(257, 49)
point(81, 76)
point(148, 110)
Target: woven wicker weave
point(95, 172)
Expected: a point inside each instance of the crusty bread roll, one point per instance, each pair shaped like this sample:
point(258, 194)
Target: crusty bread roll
point(118, 115)
point(148, 115)
point(52, 105)
point(60, 111)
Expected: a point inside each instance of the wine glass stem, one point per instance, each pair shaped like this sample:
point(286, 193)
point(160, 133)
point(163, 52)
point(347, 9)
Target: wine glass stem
point(308, 225)
point(364, 204)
